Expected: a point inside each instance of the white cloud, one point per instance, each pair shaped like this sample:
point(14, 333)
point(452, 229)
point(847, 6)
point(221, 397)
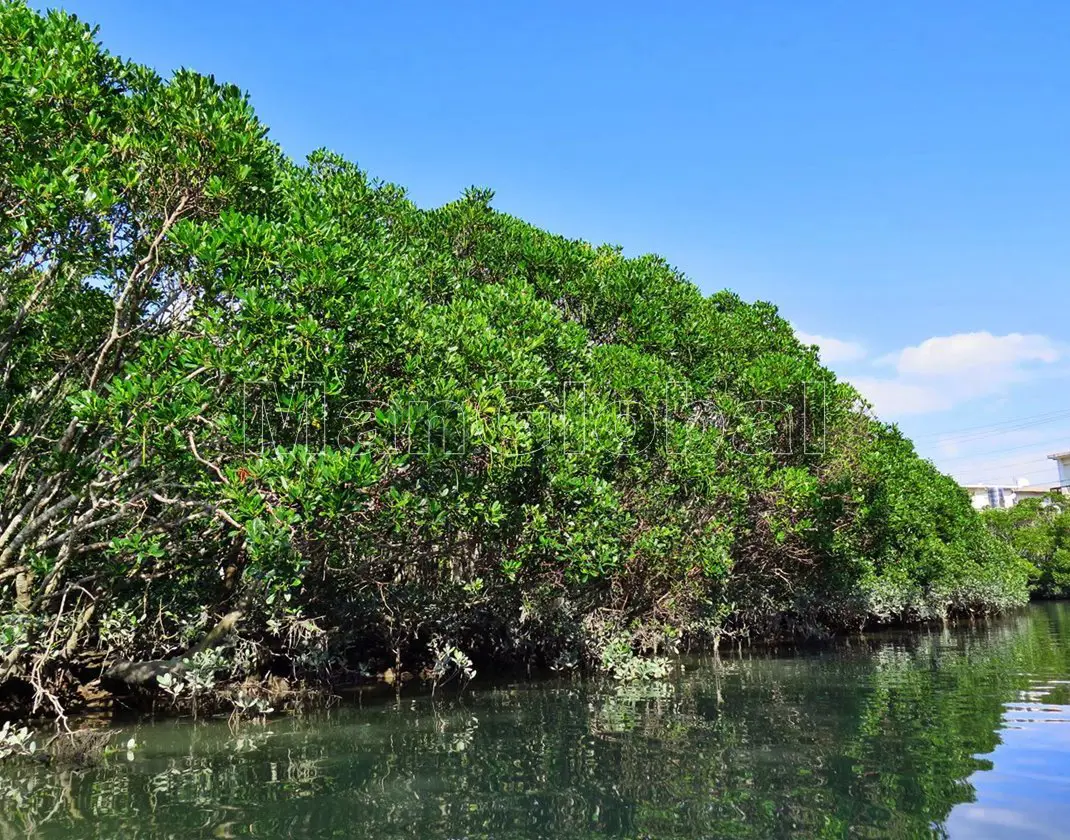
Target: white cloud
point(945, 371)
point(892, 398)
point(964, 353)
point(833, 349)
point(949, 446)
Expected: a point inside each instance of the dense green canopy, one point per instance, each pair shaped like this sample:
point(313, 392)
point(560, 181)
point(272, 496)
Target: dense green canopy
point(234, 383)
point(1039, 531)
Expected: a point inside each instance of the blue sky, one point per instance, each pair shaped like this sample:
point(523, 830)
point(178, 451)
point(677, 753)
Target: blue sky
point(894, 176)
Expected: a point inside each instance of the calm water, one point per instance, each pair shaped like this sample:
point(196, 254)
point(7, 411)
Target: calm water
point(964, 732)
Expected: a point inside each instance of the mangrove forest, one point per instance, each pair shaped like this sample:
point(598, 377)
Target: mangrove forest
point(268, 422)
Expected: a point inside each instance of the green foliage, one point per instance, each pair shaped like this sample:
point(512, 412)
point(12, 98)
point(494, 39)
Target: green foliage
point(230, 382)
point(1038, 531)
point(16, 742)
point(620, 661)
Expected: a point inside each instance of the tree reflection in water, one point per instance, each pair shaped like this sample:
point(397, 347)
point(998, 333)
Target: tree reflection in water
point(873, 737)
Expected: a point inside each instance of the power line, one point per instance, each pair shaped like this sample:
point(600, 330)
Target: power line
point(1042, 460)
point(1000, 432)
point(1008, 465)
point(979, 455)
point(993, 429)
point(1028, 417)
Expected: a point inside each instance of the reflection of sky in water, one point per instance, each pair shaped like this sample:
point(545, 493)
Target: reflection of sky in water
point(1026, 794)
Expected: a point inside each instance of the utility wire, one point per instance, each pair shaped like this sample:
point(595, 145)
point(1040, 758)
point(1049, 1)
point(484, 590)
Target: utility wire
point(995, 429)
point(1047, 445)
point(1006, 465)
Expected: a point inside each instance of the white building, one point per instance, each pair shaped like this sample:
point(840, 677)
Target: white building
point(1062, 461)
point(1004, 495)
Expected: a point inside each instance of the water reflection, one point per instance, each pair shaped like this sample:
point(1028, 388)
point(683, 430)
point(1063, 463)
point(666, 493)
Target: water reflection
point(1026, 794)
point(960, 732)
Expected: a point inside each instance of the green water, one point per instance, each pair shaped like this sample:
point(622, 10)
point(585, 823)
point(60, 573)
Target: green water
point(962, 732)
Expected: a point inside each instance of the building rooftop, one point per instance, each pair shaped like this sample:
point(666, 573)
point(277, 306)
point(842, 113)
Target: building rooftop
point(1035, 488)
point(1058, 456)
point(1047, 487)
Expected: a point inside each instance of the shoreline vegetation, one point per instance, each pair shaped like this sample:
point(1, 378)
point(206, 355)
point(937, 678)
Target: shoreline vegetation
point(879, 736)
point(267, 426)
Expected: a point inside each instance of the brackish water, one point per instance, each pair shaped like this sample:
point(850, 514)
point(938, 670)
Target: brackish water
point(962, 732)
